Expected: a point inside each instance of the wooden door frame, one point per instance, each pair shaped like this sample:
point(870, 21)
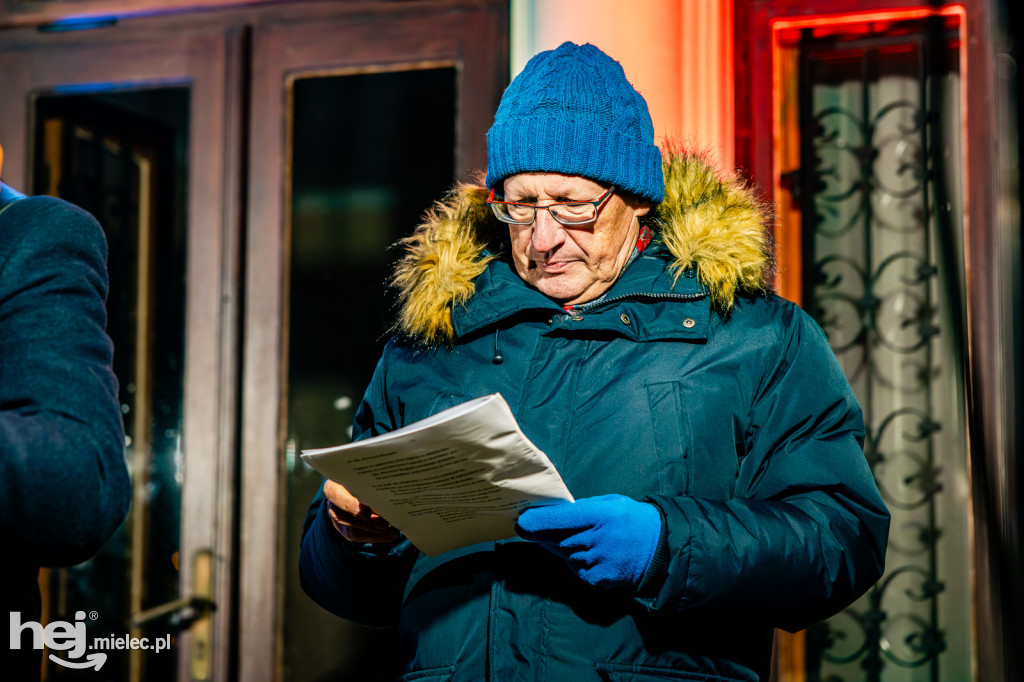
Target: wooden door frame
point(991, 266)
point(42, 12)
point(207, 60)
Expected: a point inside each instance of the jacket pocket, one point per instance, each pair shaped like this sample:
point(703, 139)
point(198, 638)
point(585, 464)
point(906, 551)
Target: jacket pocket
point(429, 675)
point(672, 437)
point(618, 672)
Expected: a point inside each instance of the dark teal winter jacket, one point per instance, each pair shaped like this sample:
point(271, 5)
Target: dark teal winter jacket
point(689, 387)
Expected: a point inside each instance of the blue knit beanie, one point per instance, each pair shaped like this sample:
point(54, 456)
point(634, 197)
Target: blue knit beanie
point(572, 111)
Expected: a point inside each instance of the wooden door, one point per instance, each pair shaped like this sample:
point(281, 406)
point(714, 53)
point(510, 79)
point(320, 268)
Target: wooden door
point(261, 223)
point(136, 123)
point(401, 98)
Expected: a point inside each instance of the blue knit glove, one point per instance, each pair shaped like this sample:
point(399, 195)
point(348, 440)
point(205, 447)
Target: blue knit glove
point(608, 540)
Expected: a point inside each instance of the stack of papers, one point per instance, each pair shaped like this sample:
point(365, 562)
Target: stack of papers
point(456, 478)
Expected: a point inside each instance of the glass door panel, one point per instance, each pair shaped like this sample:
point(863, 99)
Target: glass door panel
point(122, 156)
point(362, 175)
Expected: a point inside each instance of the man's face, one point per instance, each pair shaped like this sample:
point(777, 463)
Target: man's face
point(571, 263)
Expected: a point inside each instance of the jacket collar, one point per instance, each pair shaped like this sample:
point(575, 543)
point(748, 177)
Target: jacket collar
point(9, 194)
point(625, 309)
point(713, 240)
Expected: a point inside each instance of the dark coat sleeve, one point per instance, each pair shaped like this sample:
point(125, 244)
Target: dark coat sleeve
point(64, 485)
point(806, 531)
point(363, 583)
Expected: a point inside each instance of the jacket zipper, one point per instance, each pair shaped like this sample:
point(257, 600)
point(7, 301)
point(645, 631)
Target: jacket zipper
point(678, 297)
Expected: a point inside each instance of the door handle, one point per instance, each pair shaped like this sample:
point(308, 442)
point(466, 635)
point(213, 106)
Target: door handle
point(180, 613)
point(193, 613)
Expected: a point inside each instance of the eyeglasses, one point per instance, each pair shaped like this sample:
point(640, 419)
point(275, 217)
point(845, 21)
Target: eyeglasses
point(565, 212)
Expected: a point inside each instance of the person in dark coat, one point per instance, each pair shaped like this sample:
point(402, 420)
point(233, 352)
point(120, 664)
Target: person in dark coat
point(64, 485)
point(618, 300)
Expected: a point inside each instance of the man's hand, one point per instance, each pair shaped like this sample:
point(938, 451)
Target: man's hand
point(355, 521)
point(608, 541)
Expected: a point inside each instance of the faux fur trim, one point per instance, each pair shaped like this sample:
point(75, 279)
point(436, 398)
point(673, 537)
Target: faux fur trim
point(708, 221)
point(713, 222)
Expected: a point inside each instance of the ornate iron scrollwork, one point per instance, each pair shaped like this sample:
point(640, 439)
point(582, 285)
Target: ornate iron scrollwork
point(871, 281)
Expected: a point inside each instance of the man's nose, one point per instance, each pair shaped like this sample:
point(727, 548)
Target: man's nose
point(548, 233)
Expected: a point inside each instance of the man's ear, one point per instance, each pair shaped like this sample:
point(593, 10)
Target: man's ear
point(641, 207)
point(1, 160)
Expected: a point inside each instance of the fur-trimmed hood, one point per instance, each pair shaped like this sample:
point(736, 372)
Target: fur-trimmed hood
point(708, 221)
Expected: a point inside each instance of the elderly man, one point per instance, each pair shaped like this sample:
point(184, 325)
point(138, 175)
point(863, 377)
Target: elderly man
point(618, 301)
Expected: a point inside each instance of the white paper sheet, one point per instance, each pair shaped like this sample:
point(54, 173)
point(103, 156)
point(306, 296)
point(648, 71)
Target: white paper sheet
point(453, 479)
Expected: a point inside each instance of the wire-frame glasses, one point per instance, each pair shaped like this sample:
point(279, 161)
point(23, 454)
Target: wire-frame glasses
point(565, 212)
